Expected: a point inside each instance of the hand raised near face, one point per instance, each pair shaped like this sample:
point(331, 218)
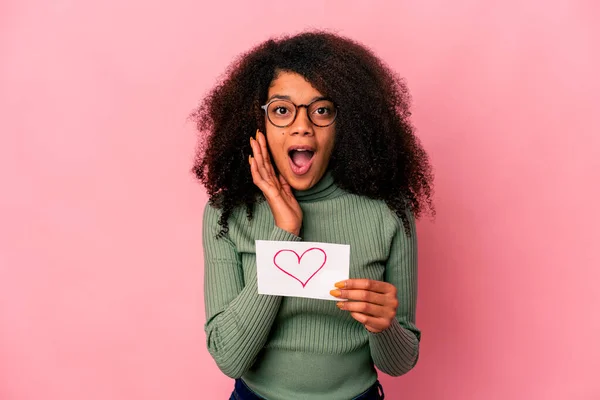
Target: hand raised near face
point(278, 193)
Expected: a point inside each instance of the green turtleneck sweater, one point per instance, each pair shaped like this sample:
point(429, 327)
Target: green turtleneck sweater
point(296, 348)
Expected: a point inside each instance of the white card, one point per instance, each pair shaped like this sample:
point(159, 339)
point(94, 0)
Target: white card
point(301, 269)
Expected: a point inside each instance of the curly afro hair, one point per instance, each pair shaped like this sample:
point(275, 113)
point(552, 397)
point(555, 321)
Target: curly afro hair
point(376, 153)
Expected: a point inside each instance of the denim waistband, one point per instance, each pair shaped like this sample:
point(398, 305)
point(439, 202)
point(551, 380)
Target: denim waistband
point(243, 392)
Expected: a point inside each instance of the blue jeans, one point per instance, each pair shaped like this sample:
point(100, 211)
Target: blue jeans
point(242, 392)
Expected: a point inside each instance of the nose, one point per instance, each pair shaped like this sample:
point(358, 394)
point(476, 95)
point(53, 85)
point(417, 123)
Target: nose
point(302, 125)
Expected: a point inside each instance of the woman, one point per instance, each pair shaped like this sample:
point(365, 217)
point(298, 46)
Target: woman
point(308, 138)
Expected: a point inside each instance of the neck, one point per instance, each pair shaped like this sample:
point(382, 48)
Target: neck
point(322, 190)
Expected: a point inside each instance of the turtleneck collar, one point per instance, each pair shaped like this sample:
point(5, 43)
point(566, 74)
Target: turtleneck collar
point(324, 189)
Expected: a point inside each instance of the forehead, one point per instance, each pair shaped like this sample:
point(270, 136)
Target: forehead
point(293, 85)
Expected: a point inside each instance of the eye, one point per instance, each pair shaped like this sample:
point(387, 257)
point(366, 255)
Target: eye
point(281, 110)
point(323, 111)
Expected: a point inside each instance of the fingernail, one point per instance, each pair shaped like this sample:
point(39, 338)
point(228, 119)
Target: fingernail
point(335, 292)
point(341, 284)
point(340, 305)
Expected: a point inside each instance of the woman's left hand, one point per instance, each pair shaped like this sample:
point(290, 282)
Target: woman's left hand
point(372, 303)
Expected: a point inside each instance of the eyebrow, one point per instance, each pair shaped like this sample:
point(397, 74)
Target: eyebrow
point(285, 97)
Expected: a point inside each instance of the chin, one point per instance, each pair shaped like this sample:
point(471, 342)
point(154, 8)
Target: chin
point(302, 185)
point(303, 182)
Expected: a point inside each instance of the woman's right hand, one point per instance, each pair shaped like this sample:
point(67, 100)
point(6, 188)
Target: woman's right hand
point(277, 191)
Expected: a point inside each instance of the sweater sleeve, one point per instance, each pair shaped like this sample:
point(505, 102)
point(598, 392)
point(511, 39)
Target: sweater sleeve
point(238, 319)
point(395, 350)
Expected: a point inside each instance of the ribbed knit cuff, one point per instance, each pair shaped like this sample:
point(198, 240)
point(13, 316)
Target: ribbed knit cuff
point(395, 350)
point(283, 235)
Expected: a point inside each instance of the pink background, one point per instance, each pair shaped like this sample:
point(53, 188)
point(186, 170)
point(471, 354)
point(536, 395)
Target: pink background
point(100, 247)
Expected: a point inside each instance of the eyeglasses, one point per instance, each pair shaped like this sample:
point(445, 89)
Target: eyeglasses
point(282, 113)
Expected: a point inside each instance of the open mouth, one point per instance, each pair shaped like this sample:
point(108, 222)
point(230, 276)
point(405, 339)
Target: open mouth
point(301, 159)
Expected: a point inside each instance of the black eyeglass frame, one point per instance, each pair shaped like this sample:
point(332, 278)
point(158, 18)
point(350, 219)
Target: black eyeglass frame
point(296, 107)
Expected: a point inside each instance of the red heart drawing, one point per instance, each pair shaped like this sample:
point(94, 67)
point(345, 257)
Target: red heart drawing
point(299, 258)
